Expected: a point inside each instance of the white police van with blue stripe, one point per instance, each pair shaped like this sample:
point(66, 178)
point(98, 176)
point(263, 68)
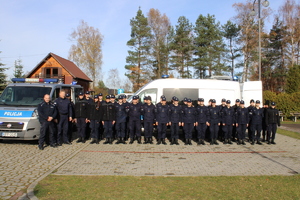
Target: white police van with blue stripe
point(18, 105)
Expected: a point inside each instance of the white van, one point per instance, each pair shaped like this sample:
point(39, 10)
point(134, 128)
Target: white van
point(202, 88)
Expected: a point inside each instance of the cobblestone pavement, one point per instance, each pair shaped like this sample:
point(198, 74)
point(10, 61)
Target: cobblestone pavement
point(22, 163)
point(164, 160)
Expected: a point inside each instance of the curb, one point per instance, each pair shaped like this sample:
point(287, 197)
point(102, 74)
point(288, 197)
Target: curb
point(30, 189)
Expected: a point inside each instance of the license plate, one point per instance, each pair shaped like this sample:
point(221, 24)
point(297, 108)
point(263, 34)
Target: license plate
point(8, 134)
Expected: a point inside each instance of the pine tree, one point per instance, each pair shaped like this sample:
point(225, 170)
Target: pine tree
point(182, 47)
point(293, 79)
point(231, 33)
point(3, 76)
point(18, 71)
point(208, 46)
point(139, 45)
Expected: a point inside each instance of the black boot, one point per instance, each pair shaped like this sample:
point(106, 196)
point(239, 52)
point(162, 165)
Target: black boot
point(97, 141)
point(119, 141)
point(172, 141)
point(186, 142)
point(212, 142)
point(215, 142)
point(252, 142)
point(243, 142)
point(176, 141)
point(198, 142)
point(131, 141)
point(158, 141)
point(146, 140)
point(239, 142)
point(273, 142)
point(164, 142)
point(139, 140)
point(190, 142)
point(258, 142)
point(110, 140)
point(229, 141)
point(106, 141)
point(93, 141)
point(150, 140)
point(83, 140)
point(225, 141)
point(79, 140)
point(202, 142)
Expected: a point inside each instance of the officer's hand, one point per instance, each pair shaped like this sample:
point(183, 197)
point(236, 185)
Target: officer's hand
point(156, 123)
point(223, 124)
point(182, 124)
point(102, 122)
point(237, 125)
point(232, 124)
point(167, 124)
point(247, 125)
point(50, 119)
point(171, 123)
point(113, 122)
point(218, 124)
point(70, 119)
point(196, 124)
point(55, 120)
point(207, 124)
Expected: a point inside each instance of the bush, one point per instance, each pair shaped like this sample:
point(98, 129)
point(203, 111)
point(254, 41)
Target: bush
point(285, 102)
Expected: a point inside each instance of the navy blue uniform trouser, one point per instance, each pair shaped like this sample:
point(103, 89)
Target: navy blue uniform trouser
point(94, 125)
point(148, 129)
point(81, 127)
point(120, 129)
point(62, 128)
point(214, 129)
point(249, 131)
point(108, 129)
point(175, 130)
point(272, 128)
point(161, 130)
point(241, 131)
point(188, 130)
point(201, 130)
point(227, 129)
point(46, 126)
point(134, 128)
point(256, 128)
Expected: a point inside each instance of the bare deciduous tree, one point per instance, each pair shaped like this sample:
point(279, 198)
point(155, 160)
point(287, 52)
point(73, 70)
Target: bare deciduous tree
point(87, 52)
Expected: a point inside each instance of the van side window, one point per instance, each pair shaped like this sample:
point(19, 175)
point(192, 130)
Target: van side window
point(180, 93)
point(56, 94)
point(149, 92)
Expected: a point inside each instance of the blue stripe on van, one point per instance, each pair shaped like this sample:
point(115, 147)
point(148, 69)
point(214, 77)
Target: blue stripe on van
point(13, 113)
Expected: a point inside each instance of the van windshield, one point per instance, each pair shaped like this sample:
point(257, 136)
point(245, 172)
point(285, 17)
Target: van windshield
point(23, 95)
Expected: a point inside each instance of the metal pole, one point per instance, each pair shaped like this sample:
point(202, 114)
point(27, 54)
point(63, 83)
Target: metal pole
point(259, 43)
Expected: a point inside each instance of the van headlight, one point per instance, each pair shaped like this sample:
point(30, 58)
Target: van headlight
point(35, 113)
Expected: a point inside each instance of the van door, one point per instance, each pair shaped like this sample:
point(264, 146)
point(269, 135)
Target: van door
point(252, 90)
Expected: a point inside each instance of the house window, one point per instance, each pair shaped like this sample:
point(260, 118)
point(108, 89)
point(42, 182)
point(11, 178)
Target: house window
point(51, 72)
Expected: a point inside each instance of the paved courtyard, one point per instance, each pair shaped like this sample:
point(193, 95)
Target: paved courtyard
point(22, 163)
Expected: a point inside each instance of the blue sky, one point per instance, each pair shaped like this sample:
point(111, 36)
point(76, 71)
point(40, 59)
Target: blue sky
point(30, 29)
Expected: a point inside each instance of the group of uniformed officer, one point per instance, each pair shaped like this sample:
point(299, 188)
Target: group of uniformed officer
point(117, 118)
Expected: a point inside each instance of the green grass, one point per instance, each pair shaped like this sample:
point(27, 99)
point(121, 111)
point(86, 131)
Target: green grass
point(289, 133)
point(203, 187)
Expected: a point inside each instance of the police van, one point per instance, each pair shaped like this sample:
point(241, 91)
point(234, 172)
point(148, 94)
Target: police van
point(18, 105)
point(214, 88)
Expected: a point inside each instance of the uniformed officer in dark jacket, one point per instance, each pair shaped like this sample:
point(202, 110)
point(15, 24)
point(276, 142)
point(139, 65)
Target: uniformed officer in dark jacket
point(94, 115)
point(71, 123)
point(242, 122)
point(162, 121)
point(214, 120)
point(108, 117)
point(188, 121)
point(234, 129)
point(47, 112)
point(100, 97)
point(221, 130)
point(135, 111)
point(175, 120)
point(250, 108)
point(256, 123)
point(81, 115)
point(228, 120)
point(64, 108)
point(202, 121)
point(149, 118)
point(264, 125)
point(113, 98)
point(121, 116)
point(87, 97)
point(125, 102)
point(272, 120)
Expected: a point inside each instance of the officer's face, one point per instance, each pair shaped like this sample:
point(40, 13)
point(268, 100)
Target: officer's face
point(96, 100)
point(257, 105)
point(252, 104)
point(47, 98)
point(100, 98)
point(189, 104)
point(228, 105)
point(213, 104)
point(80, 96)
point(224, 103)
point(87, 96)
point(62, 94)
point(134, 101)
point(163, 102)
point(176, 103)
point(107, 100)
point(273, 107)
point(237, 103)
point(242, 105)
point(112, 99)
point(120, 100)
